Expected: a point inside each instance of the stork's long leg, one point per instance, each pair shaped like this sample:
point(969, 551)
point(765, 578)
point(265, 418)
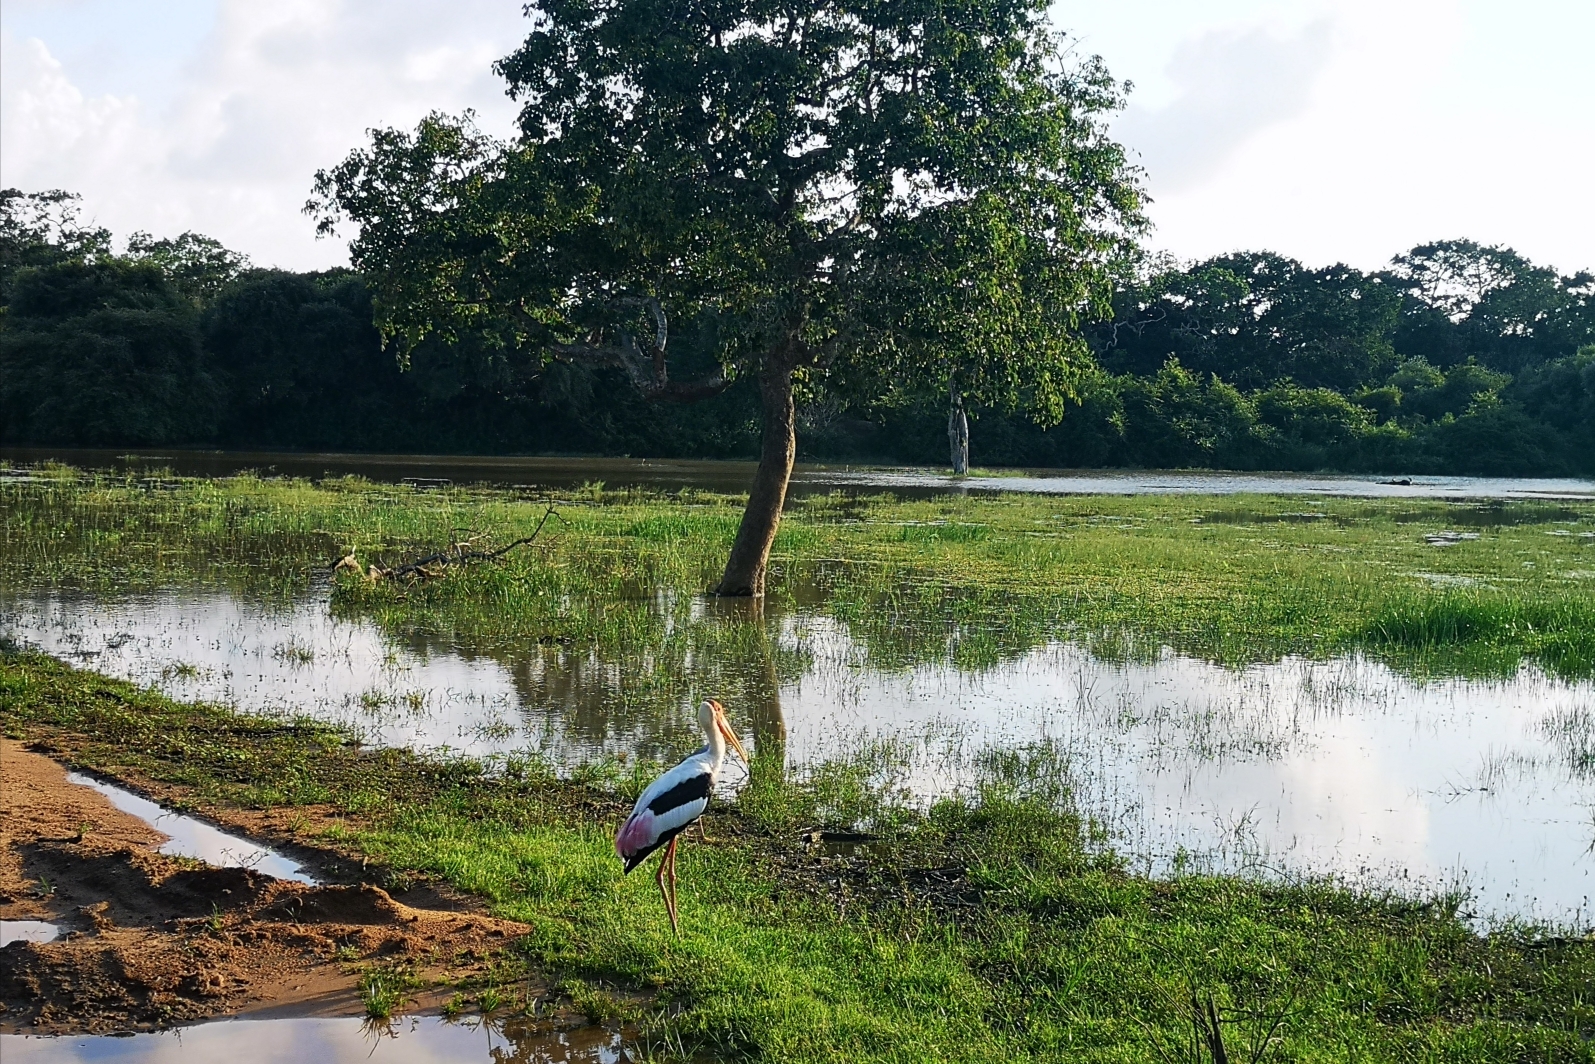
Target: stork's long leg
point(664, 893)
point(667, 868)
point(674, 903)
point(673, 872)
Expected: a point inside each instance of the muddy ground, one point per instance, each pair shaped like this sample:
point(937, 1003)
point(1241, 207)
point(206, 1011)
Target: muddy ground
point(150, 941)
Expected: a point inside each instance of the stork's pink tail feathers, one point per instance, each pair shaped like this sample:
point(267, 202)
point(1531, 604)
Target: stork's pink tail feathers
point(635, 835)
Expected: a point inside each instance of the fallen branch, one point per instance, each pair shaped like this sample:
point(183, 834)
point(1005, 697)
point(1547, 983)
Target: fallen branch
point(437, 563)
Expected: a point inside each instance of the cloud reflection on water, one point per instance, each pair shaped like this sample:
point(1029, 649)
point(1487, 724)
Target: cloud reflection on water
point(1342, 766)
point(412, 1040)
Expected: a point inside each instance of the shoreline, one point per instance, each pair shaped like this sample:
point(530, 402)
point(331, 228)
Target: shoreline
point(733, 475)
point(148, 942)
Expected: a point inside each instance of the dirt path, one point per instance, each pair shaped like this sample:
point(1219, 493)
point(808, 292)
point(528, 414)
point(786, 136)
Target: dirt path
point(151, 941)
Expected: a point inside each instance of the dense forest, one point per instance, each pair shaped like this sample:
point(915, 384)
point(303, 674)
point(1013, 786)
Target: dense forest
point(1458, 358)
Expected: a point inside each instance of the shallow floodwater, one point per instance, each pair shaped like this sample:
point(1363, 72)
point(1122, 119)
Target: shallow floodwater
point(734, 477)
point(1342, 766)
point(412, 1040)
point(189, 837)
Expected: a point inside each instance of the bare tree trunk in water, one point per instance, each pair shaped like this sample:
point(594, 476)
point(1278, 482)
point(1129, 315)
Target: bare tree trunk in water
point(958, 435)
point(744, 573)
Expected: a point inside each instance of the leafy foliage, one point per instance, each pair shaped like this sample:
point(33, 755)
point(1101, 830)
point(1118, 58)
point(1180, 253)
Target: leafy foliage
point(1502, 309)
point(895, 194)
point(1247, 361)
point(196, 265)
point(102, 352)
point(1256, 319)
point(42, 228)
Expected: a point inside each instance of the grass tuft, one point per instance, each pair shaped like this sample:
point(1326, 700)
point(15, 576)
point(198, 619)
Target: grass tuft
point(1489, 631)
point(385, 989)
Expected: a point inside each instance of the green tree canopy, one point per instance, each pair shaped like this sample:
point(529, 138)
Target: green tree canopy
point(1488, 301)
point(884, 195)
point(1256, 319)
point(102, 352)
point(196, 265)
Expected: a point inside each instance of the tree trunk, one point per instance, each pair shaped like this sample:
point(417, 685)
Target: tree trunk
point(744, 574)
point(958, 436)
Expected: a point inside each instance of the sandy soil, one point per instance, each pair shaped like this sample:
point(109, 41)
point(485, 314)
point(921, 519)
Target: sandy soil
point(151, 941)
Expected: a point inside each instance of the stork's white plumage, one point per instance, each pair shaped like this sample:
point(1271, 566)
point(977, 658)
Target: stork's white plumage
point(674, 802)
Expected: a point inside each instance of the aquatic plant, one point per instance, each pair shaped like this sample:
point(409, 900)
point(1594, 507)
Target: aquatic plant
point(969, 581)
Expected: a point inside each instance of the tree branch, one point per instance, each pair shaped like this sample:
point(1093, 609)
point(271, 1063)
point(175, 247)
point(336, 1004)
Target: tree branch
point(648, 371)
point(437, 563)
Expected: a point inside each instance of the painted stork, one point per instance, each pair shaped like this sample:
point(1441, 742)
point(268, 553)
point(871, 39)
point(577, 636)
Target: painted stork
point(674, 802)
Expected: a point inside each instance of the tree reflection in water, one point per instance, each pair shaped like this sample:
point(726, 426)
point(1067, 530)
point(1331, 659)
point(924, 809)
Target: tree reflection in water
point(636, 690)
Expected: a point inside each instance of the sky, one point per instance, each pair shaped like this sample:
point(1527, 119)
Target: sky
point(1327, 130)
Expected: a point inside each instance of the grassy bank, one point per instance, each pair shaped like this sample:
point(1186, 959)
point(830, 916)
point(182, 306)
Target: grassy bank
point(987, 928)
point(969, 580)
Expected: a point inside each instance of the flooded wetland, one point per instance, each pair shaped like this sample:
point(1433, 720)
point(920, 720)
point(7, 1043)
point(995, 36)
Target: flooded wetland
point(1330, 759)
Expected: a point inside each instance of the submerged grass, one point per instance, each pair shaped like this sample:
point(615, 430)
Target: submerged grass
point(1557, 632)
point(989, 927)
point(970, 581)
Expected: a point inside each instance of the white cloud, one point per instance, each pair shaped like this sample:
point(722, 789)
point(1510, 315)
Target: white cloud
point(1233, 83)
point(1414, 129)
point(273, 93)
point(49, 127)
point(1328, 130)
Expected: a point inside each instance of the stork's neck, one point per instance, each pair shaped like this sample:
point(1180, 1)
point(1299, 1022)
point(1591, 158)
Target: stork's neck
point(716, 746)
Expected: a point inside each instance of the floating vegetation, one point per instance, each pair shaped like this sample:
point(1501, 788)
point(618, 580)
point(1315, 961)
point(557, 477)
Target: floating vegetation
point(293, 651)
point(1572, 731)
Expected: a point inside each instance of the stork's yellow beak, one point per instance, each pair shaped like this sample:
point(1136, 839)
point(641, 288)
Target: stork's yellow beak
point(731, 736)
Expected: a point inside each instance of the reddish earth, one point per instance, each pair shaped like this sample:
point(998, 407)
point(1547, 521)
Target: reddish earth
point(151, 941)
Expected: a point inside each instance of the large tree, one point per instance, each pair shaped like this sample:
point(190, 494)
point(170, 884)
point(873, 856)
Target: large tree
point(847, 194)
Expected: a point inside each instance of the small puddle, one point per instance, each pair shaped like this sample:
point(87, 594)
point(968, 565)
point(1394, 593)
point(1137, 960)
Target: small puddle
point(189, 837)
point(420, 1038)
point(27, 931)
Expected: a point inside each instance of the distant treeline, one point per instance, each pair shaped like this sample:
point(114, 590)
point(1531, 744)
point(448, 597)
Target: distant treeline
point(1458, 358)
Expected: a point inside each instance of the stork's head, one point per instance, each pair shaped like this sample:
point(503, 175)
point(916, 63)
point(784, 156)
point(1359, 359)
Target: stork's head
point(712, 717)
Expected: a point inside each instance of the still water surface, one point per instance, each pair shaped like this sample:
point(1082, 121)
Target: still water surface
point(734, 477)
point(413, 1040)
point(1342, 766)
point(27, 931)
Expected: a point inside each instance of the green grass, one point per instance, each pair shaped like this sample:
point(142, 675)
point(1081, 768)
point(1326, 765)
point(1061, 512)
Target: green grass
point(971, 581)
point(992, 927)
point(1556, 631)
